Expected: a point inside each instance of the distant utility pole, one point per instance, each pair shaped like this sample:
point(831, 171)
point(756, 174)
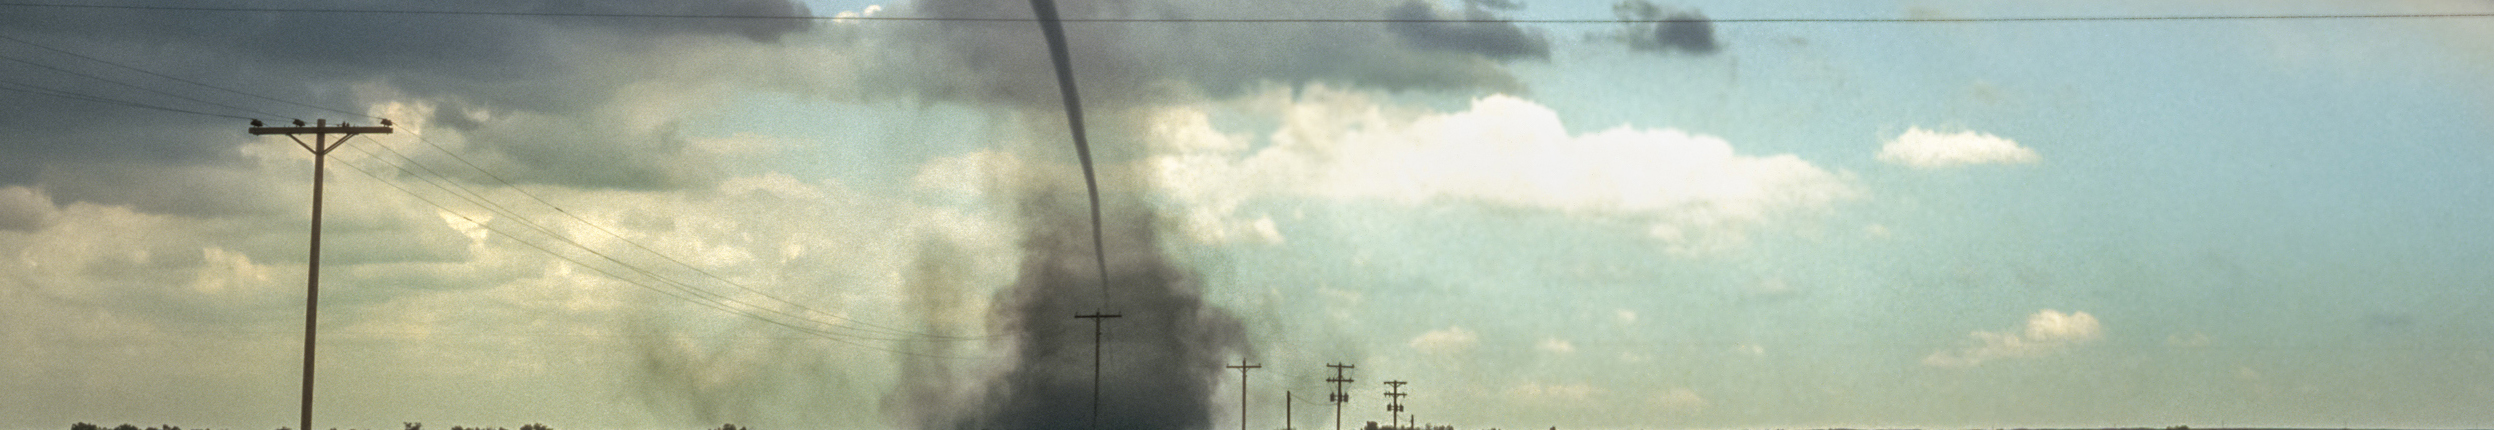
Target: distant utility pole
point(1242, 389)
point(1097, 334)
point(320, 147)
point(1286, 401)
point(1394, 402)
point(1339, 397)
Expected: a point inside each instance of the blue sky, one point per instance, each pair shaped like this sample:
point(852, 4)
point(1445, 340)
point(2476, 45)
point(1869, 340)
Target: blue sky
point(1936, 225)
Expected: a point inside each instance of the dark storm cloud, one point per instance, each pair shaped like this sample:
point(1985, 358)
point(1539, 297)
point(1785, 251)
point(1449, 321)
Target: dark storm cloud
point(1139, 64)
point(1687, 32)
point(548, 68)
point(1495, 40)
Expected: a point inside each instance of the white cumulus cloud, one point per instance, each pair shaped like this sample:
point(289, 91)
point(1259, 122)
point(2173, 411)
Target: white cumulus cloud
point(1450, 340)
point(2047, 332)
point(1926, 149)
point(1693, 191)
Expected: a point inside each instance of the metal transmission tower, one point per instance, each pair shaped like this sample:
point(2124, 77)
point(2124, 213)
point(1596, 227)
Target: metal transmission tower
point(1242, 389)
point(1394, 402)
point(320, 147)
point(1339, 397)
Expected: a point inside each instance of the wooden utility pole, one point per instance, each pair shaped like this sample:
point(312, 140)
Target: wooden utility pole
point(1394, 402)
point(1242, 389)
point(1339, 397)
point(320, 147)
point(1286, 401)
point(1097, 334)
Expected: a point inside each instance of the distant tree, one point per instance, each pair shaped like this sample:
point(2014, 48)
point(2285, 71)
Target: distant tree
point(85, 426)
point(732, 427)
point(125, 427)
point(535, 427)
point(415, 426)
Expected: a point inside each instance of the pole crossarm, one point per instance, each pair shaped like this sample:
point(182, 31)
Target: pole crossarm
point(341, 129)
point(320, 144)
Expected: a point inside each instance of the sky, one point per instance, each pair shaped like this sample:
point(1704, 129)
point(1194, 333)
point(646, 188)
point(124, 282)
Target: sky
point(1716, 222)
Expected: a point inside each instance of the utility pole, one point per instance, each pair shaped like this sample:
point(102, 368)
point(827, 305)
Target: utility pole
point(320, 147)
point(1097, 333)
point(1394, 402)
point(1339, 397)
point(1242, 389)
point(1286, 401)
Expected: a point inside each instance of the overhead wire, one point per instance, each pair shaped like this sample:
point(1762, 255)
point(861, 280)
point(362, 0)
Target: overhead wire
point(720, 302)
point(178, 79)
point(485, 202)
point(865, 329)
point(64, 94)
point(479, 199)
point(686, 294)
point(136, 86)
point(507, 184)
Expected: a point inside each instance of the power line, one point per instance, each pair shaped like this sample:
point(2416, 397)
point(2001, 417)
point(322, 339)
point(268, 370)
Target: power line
point(463, 192)
point(687, 296)
point(884, 330)
point(478, 199)
point(694, 293)
point(1765, 20)
point(42, 91)
point(137, 87)
point(177, 79)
